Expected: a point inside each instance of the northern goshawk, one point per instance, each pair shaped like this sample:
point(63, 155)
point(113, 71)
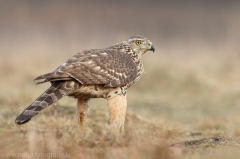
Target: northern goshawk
point(95, 73)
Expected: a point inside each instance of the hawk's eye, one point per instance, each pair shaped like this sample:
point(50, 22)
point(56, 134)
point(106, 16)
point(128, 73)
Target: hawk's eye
point(138, 42)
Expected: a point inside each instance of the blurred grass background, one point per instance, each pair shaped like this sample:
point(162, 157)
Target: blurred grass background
point(190, 89)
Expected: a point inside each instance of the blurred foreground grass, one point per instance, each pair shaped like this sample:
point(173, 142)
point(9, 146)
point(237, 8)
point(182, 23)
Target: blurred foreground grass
point(183, 107)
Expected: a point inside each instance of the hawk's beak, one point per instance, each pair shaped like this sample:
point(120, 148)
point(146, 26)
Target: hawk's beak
point(151, 47)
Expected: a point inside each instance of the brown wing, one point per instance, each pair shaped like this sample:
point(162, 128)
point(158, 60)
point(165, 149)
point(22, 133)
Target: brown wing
point(110, 67)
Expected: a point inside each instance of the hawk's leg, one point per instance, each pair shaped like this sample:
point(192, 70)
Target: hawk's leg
point(117, 110)
point(82, 108)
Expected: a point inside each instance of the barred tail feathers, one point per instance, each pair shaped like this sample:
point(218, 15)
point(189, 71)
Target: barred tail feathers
point(57, 90)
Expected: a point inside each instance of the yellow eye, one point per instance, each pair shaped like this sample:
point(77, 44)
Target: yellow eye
point(138, 42)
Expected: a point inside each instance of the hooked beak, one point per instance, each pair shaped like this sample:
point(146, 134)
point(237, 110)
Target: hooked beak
point(151, 47)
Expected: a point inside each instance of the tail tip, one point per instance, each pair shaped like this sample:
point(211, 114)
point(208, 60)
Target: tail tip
point(21, 120)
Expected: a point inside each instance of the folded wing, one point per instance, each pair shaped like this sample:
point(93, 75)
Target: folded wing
point(110, 67)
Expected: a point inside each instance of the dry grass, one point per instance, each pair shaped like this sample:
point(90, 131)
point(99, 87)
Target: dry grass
point(185, 106)
point(175, 111)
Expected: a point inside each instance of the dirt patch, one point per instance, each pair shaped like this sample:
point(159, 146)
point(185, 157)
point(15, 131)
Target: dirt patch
point(209, 142)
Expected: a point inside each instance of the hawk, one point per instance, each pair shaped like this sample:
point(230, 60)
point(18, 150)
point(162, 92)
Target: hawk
point(95, 73)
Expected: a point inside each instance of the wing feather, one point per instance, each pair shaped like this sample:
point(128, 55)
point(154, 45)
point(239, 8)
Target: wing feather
point(110, 67)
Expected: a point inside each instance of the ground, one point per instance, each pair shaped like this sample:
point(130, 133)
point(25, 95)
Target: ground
point(177, 110)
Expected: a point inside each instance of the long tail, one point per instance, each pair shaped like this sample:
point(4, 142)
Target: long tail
point(57, 90)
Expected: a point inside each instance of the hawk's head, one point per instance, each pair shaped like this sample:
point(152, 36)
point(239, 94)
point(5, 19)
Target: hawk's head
point(140, 44)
